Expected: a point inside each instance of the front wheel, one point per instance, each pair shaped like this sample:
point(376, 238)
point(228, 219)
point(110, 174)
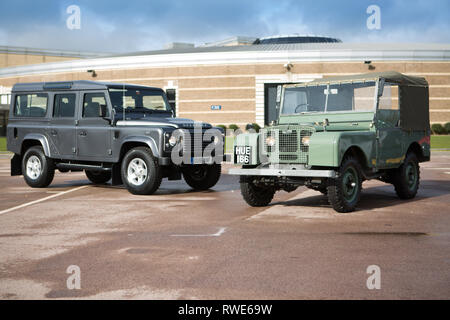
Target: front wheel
point(345, 190)
point(140, 171)
point(202, 177)
point(406, 178)
point(38, 170)
point(256, 196)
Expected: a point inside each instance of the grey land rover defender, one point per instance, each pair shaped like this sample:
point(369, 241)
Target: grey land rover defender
point(120, 132)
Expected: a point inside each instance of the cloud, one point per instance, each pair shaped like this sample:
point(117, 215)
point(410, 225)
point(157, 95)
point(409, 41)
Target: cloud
point(118, 26)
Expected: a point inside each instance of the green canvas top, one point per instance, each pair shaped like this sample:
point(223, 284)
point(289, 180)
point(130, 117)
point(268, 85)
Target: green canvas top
point(413, 95)
point(388, 76)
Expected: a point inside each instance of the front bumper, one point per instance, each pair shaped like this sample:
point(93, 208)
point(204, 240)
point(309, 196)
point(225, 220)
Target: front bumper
point(276, 172)
point(165, 161)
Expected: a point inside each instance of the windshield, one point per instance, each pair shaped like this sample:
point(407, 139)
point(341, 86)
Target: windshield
point(329, 98)
point(138, 100)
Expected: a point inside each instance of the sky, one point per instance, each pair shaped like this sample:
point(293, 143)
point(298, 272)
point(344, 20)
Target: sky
point(118, 26)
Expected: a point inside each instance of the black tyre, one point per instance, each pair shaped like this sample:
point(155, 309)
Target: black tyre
point(202, 177)
point(140, 171)
point(344, 192)
point(256, 196)
point(406, 178)
point(38, 170)
point(98, 177)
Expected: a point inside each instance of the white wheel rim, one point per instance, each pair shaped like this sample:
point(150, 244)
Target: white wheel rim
point(137, 172)
point(34, 167)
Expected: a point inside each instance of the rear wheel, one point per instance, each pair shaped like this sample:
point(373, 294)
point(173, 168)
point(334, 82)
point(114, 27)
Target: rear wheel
point(202, 177)
point(406, 178)
point(98, 177)
point(38, 170)
point(256, 196)
point(345, 190)
point(140, 171)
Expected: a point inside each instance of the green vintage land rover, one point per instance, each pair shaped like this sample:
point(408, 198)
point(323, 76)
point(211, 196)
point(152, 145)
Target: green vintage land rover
point(334, 133)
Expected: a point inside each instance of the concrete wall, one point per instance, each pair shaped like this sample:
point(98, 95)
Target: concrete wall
point(237, 87)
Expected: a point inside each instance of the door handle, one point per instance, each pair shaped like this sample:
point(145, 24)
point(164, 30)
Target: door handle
point(83, 133)
point(53, 132)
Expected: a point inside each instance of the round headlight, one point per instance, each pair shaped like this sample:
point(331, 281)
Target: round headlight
point(270, 141)
point(173, 141)
point(305, 141)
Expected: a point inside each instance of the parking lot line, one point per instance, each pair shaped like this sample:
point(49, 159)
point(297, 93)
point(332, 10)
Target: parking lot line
point(41, 200)
point(217, 234)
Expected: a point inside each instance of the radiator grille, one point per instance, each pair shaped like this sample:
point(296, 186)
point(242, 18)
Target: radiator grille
point(288, 147)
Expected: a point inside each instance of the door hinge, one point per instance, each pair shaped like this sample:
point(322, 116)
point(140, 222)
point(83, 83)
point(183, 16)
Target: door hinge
point(109, 151)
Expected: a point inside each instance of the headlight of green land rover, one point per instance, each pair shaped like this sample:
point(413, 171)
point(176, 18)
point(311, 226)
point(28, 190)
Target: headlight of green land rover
point(270, 141)
point(305, 141)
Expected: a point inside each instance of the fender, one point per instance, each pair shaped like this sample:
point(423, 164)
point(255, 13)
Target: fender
point(328, 148)
point(38, 137)
point(149, 141)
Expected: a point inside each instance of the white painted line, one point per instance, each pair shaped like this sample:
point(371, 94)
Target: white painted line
point(41, 200)
point(217, 234)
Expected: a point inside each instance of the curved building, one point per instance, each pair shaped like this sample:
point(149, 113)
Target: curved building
point(234, 81)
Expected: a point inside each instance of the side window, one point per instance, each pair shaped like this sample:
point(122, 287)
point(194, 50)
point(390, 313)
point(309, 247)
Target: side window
point(64, 106)
point(389, 99)
point(94, 105)
point(31, 105)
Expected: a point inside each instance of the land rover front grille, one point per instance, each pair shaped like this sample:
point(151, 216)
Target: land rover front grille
point(196, 145)
point(288, 147)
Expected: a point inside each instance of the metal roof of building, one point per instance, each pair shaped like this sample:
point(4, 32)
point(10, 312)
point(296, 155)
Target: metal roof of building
point(50, 52)
point(331, 46)
point(251, 54)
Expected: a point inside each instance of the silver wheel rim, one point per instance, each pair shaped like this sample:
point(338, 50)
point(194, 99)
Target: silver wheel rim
point(137, 172)
point(34, 167)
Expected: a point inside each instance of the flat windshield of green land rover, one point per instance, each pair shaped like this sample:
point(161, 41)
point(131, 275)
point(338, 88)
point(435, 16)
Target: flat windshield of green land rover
point(137, 102)
point(321, 98)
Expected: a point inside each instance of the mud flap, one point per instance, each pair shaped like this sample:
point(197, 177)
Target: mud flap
point(16, 165)
point(116, 175)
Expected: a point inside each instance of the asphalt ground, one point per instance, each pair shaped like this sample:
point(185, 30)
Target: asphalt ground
point(183, 244)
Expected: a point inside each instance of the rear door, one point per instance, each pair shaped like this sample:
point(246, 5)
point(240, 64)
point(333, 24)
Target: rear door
point(62, 130)
point(94, 130)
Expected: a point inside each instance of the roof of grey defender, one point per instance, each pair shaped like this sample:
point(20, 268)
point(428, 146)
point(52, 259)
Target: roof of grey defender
point(73, 85)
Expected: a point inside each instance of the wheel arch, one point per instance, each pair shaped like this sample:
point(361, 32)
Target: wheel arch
point(415, 147)
point(358, 153)
point(31, 140)
point(134, 142)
